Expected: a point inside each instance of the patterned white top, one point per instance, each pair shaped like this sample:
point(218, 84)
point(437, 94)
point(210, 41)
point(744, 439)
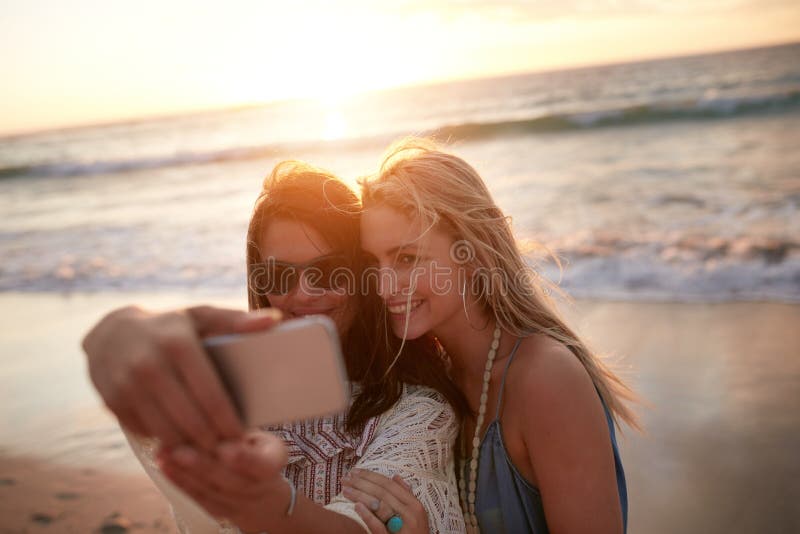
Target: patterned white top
point(413, 439)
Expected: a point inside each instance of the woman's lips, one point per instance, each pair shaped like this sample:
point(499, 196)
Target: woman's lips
point(403, 307)
point(311, 311)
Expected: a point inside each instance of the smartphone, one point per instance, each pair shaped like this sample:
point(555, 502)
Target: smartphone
point(292, 372)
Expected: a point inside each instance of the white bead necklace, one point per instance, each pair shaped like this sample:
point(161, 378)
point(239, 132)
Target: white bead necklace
point(468, 498)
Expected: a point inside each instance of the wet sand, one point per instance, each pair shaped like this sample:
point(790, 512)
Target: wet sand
point(40, 496)
point(720, 452)
point(722, 382)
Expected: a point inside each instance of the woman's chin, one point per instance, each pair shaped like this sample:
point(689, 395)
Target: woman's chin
point(414, 331)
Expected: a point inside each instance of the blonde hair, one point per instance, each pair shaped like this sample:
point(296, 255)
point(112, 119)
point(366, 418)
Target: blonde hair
point(442, 190)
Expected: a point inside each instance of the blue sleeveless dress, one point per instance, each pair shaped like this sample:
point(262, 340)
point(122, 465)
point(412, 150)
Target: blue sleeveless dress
point(507, 503)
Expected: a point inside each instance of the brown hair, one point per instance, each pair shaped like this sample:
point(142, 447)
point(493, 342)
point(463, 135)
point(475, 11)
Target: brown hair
point(298, 191)
point(425, 182)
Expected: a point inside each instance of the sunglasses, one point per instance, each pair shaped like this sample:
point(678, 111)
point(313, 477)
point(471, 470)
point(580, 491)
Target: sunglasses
point(326, 273)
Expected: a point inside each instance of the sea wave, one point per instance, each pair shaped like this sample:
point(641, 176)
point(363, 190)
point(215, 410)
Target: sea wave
point(185, 159)
point(681, 267)
point(711, 106)
point(678, 248)
point(74, 168)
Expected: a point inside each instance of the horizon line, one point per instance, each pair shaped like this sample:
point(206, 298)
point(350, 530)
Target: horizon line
point(423, 84)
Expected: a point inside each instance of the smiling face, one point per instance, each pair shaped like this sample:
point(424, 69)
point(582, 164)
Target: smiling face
point(419, 281)
point(289, 241)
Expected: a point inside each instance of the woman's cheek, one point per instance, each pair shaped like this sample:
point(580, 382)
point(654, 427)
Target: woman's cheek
point(343, 314)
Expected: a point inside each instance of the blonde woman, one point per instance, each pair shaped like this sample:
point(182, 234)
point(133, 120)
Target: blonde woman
point(538, 448)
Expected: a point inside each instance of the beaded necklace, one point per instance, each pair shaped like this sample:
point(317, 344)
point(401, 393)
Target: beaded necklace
point(467, 498)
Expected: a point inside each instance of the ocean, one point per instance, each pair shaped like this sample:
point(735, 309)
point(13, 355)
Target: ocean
point(670, 179)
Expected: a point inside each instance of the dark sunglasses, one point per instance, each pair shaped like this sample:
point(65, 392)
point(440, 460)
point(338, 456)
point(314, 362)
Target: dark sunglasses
point(326, 273)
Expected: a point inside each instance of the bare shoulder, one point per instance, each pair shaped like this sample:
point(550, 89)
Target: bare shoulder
point(547, 383)
point(544, 368)
point(559, 437)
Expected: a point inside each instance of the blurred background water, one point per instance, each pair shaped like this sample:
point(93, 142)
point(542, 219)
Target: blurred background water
point(672, 179)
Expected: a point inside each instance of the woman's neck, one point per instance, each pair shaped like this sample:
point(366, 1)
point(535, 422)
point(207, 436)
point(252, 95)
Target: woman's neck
point(467, 340)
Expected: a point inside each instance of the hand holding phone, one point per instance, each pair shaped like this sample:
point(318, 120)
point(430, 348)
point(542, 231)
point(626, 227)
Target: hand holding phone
point(152, 372)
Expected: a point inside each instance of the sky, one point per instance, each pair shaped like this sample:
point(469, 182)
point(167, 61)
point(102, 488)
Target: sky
point(78, 62)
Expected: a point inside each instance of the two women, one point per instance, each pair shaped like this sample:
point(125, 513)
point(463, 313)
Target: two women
point(536, 444)
point(303, 236)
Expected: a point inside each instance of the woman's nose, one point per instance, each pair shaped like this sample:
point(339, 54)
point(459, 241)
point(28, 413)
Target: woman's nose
point(388, 282)
point(306, 289)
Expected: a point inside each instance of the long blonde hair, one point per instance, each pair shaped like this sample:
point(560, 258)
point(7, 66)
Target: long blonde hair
point(441, 190)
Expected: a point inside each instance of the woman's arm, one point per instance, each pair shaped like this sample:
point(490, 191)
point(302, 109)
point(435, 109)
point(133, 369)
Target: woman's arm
point(566, 440)
point(243, 484)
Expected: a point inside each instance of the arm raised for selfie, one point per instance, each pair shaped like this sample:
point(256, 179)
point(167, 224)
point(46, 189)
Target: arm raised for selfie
point(153, 374)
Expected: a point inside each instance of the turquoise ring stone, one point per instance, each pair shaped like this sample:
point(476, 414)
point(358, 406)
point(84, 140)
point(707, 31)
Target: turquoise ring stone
point(394, 524)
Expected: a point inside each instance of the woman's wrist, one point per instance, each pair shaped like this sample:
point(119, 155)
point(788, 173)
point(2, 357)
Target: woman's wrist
point(279, 502)
point(292, 498)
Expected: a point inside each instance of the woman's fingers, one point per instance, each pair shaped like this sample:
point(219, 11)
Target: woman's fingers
point(395, 493)
point(399, 480)
point(379, 491)
point(176, 404)
point(153, 420)
point(259, 455)
point(203, 388)
point(197, 490)
point(416, 512)
point(373, 523)
point(212, 321)
point(133, 353)
point(197, 371)
point(379, 508)
point(199, 400)
point(129, 420)
point(222, 491)
point(368, 479)
point(209, 472)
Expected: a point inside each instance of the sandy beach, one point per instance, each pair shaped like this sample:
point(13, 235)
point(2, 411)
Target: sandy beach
point(722, 430)
point(719, 452)
point(42, 496)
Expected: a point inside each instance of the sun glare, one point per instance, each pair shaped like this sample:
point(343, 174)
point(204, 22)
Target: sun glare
point(329, 59)
point(335, 125)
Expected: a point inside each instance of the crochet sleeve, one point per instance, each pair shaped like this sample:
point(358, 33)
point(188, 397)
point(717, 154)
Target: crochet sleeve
point(415, 440)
